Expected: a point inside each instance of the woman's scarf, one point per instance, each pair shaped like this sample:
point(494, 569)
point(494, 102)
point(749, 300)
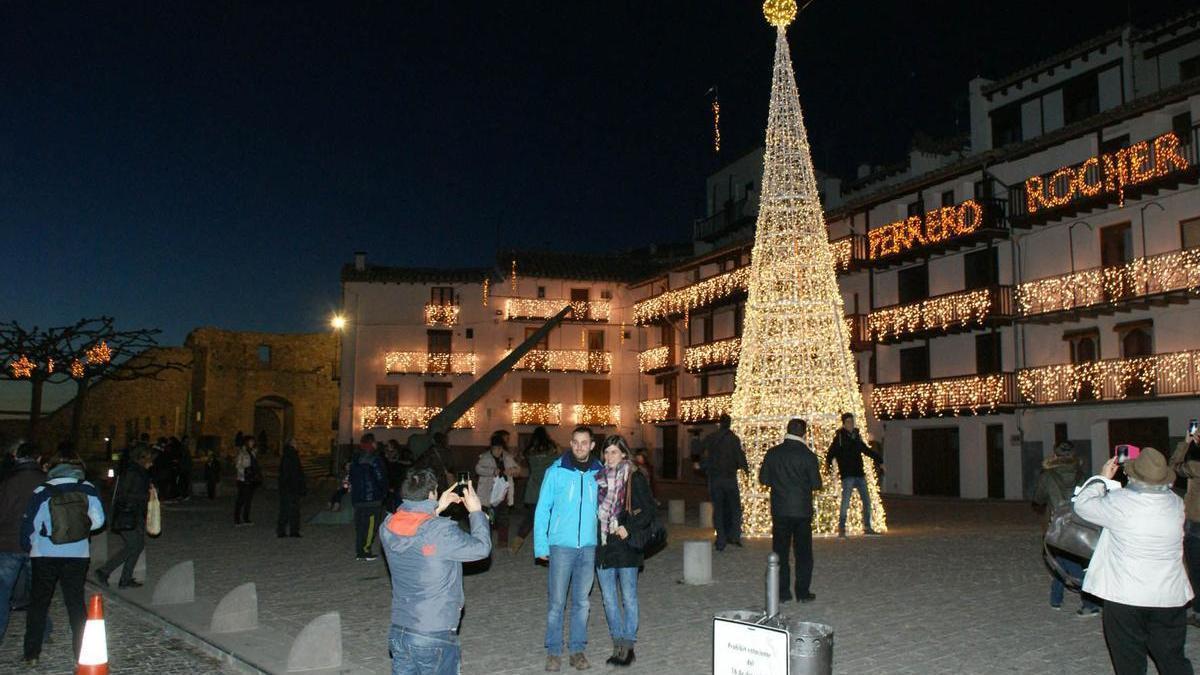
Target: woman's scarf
point(612, 484)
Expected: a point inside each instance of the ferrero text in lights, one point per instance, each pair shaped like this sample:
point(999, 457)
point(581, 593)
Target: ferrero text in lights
point(1109, 173)
point(430, 363)
point(408, 417)
point(705, 408)
point(565, 360)
point(917, 231)
point(596, 415)
point(654, 411)
point(976, 393)
point(437, 314)
point(536, 413)
point(655, 358)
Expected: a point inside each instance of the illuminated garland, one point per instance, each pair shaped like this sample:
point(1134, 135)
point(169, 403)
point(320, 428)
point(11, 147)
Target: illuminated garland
point(430, 363)
point(408, 417)
point(99, 354)
point(541, 308)
point(977, 393)
point(1109, 173)
point(712, 354)
point(655, 358)
point(716, 110)
point(77, 370)
point(1175, 271)
point(955, 310)
point(684, 300)
point(21, 368)
point(937, 225)
point(654, 411)
point(536, 413)
point(1111, 379)
point(843, 253)
point(596, 415)
point(795, 359)
point(565, 360)
point(704, 408)
point(485, 288)
point(441, 315)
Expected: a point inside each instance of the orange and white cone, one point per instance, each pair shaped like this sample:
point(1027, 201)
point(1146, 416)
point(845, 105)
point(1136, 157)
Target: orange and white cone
point(93, 655)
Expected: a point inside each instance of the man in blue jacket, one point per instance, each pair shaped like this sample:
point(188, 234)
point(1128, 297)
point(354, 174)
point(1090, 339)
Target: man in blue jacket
point(564, 532)
point(368, 486)
point(425, 554)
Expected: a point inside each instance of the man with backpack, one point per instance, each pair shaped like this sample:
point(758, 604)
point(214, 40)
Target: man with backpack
point(60, 516)
point(1055, 487)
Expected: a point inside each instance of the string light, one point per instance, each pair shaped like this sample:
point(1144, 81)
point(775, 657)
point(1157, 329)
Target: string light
point(1108, 173)
point(541, 308)
point(566, 360)
point(512, 276)
point(437, 314)
point(99, 354)
point(536, 413)
point(1163, 273)
point(654, 411)
point(716, 110)
point(940, 313)
point(49, 366)
point(597, 415)
point(21, 368)
point(711, 355)
point(430, 363)
point(409, 417)
point(1110, 379)
point(485, 288)
point(795, 359)
point(975, 393)
point(683, 300)
point(655, 358)
point(77, 370)
point(914, 231)
point(843, 253)
point(704, 408)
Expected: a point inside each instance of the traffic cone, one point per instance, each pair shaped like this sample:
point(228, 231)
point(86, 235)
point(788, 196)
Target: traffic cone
point(93, 655)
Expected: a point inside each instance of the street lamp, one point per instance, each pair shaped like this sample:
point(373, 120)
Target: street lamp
point(338, 322)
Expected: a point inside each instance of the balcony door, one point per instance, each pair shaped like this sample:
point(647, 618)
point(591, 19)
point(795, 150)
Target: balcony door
point(1116, 249)
point(995, 461)
point(913, 284)
point(441, 295)
point(439, 341)
point(1085, 348)
point(935, 461)
point(542, 344)
point(581, 295)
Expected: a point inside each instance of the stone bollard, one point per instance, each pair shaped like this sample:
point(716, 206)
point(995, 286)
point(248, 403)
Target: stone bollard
point(675, 512)
point(139, 569)
point(237, 611)
point(706, 515)
point(318, 646)
point(697, 562)
point(177, 585)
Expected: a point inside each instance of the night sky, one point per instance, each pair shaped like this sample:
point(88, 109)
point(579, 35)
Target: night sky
point(215, 163)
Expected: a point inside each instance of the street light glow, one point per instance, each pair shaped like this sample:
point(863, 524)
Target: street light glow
point(338, 322)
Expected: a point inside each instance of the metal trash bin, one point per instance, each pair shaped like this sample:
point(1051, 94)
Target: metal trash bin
point(811, 649)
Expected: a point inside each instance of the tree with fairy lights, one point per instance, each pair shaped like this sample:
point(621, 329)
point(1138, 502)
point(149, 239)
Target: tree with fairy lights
point(795, 359)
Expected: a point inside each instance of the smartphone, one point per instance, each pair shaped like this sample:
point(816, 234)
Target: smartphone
point(1125, 452)
point(461, 479)
point(1193, 424)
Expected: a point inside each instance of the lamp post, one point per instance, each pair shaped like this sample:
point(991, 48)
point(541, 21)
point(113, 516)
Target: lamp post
point(338, 323)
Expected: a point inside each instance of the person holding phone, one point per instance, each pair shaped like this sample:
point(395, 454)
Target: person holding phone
point(1185, 461)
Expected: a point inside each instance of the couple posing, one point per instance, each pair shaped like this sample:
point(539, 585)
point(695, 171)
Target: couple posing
point(586, 513)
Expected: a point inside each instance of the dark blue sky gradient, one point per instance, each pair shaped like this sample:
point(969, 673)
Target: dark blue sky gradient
point(214, 163)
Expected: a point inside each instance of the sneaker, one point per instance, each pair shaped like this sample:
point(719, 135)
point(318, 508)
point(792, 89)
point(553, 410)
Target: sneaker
point(1057, 608)
point(873, 533)
point(129, 584)
point(579, 661)
point(808, 597)
point(370, 557)
point(1088, 611)
point(30, 661)
point(102, 578)
point(553, 664)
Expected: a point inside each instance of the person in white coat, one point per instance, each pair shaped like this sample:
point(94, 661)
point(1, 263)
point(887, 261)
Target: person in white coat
point(497, 462)
point(1138, 568)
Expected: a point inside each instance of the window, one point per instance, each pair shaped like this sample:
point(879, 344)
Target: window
point(541, 292)
point(948, 198)
point(1060, 432)
point(129, 428)
point(987, 354)
point(739, 319)
point(1081, 98)
point(595, 392)
point(1006, 125)
point(706, 328)
point(1181, 124)
point(914, 364)
point(1189, 233)
point(913, 284)
point(595, 340)
point(441, 295)
point(1189, 68)
point(980, 269)
point(1114, 144)
point(542, 344)
point(437, 394)
point(439, 341)
point(666, 336)
point(703, 379)
point(1084, 345)
point(264, 355)
point(1136, 338)
point(581, 295)
point(915, 208)
point(983, 189)
point(387, 395)
point(535, 390)
point(1116, 245)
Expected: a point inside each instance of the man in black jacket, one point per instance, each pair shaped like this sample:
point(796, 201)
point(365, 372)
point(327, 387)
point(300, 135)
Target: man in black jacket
point(291, 488)
point(128, 518)
point(723, 457)
point(790, 469)
point(848, 448)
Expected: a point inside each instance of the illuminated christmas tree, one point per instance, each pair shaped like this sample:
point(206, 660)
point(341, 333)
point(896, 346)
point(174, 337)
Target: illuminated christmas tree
point(795, 359)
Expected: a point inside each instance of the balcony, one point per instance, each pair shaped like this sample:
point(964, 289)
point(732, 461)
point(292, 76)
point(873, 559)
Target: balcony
point(596, 415)
point(1141, 169)
point(654, 411)
point(698, 409)
point(536, 414)
point(540, 309)
point(439, 314)
point(565, 361)
point(724, 286)
point(941, 315)
point(860, 333)
point(408, 417)
point(656, 360)
point(940, 230)
point(733, 216)
point(712, 355)
point(973, 394)
point(1161, 375)
point(849, 253)
point(429, 363)
point(1162, 279)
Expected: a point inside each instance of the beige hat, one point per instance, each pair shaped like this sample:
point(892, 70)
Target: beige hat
point(1150, 467)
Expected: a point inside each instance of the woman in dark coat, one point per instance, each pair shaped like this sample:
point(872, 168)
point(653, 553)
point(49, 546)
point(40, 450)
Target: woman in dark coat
point(291, 488)
point(626, 506)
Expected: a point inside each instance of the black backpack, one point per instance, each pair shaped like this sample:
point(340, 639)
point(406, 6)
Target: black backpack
point(69, 519)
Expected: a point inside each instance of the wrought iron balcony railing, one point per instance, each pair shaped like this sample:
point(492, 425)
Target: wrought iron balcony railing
point(683, 300)
point(973, 394)
point(536, 413)
point(408, 417)
point(950, 312)
point(1175, 272)
point(1172, 374)
point(654, 411)
point(430, 363)
point(566, 360)
point(656, 359)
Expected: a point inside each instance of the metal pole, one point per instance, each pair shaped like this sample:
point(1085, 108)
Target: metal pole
point(772, 585)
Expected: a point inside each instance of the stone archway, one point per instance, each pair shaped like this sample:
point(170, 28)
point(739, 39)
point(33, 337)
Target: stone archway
point(274, 423)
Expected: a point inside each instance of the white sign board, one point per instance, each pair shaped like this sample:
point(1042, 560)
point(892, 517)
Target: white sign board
point(741, 648)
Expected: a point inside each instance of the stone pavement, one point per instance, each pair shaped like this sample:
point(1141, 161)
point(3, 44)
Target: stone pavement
point(135, 645)
point(955, 587)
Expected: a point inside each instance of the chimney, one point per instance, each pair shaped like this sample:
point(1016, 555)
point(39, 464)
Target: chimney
point(360, 261)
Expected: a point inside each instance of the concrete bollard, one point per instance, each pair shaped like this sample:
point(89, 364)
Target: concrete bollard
point(318, 646)
point(237, 611)
point(675, 512)
point(706, 515)
point(177, 585)
point(697, 562)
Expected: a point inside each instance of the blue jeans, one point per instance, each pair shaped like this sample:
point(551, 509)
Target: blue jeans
point(574, 569)
point(416, 653)
point(621, 612)
point(10, 569)
point(859, 484)
point(1075, 569)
